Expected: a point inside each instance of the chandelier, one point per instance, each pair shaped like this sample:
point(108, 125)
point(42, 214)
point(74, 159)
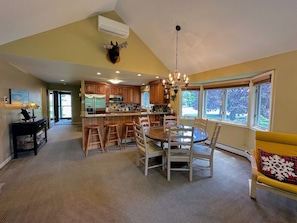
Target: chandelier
point(175, 80)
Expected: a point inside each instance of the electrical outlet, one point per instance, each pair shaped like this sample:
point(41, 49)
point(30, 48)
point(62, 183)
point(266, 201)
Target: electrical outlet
point(6, 100)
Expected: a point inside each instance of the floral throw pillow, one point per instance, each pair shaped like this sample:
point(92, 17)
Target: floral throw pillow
point(282, 168)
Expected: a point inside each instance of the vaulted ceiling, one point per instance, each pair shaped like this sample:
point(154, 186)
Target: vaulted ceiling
point(213, 33)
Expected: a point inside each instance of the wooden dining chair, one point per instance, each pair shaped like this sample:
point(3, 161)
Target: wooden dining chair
point(206, 152)
point(180, 144)
point(169, 121)
point(147, 151)
point(200, 123)
point(145, 122)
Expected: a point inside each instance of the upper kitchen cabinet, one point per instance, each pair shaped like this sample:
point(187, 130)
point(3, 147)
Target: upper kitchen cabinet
point(157, 92)
point(116, 90)
point(95, 88)
point(131, 94)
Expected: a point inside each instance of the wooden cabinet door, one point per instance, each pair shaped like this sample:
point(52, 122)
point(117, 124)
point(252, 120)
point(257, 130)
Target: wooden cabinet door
point(90, 88)
point(100, 89)
point(115, 90)
point(125, 94)
point(136, 95)
point(156, 92)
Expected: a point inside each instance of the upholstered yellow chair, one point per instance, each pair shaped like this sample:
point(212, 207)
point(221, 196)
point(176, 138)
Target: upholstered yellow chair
point(274, 164)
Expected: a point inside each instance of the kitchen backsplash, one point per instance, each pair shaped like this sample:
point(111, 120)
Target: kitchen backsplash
point(120, 107)
point(114, 107)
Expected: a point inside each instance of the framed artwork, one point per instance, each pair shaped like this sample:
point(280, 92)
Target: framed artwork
point(18, 96)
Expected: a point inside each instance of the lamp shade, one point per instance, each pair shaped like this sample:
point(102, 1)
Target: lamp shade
point(32, 105)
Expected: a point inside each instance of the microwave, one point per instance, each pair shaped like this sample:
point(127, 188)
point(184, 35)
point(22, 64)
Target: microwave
point(115, 98)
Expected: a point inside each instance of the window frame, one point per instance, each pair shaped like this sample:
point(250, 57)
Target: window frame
point(191, 88)
point(253, 101)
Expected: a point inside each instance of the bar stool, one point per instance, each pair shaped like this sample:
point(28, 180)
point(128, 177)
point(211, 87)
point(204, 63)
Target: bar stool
point(155, 123)
point(112, 134)
point(129, 131)
point(94, 138)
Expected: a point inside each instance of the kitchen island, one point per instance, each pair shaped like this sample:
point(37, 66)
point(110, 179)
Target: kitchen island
point(114, 117)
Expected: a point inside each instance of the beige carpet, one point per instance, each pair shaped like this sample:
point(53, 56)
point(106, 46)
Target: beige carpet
point(61, 185)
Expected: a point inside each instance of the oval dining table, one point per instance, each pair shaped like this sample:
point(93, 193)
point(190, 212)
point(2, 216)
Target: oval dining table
point(158, 134)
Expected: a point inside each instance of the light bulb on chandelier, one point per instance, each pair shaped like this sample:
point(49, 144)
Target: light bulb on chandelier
point(175, 81)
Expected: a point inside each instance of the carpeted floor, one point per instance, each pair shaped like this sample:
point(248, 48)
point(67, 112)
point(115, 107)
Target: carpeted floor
point(60, 184)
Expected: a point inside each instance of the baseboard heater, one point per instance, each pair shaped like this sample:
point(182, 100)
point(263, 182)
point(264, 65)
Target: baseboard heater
point(243, 153)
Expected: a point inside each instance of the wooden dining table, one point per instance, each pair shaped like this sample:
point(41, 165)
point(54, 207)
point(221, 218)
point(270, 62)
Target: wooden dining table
point(159, 134)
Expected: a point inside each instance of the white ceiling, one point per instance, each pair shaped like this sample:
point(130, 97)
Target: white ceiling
point(213, 34)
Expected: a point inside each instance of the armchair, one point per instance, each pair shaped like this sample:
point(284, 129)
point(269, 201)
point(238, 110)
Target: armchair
point(274, 164)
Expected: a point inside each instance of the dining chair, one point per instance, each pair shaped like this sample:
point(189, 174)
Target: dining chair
point(181, 120)
point(145, 122)
point(169, 121)
point(200, 123)
point(147, 151)
point(206, 152)
point(179, 152)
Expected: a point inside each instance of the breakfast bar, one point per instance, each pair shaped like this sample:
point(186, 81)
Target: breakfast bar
point(115, 117)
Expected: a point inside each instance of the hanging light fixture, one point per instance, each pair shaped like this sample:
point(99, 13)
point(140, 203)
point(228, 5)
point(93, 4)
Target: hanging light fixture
point(175, 80)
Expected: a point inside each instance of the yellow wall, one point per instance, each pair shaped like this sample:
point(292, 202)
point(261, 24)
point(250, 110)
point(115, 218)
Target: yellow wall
point(284, 118)
point(11, 78)
point(79, 43)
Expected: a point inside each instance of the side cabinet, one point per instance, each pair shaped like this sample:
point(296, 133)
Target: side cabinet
point(35, 130)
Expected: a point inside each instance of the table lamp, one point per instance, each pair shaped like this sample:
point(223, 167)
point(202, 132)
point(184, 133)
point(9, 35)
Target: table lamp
point(32, 106)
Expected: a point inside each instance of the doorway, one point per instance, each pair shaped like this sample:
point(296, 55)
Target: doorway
point(60, 106)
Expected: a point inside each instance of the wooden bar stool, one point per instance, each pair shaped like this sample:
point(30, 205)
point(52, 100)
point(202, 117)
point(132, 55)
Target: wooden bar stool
point(155, 123)
point(112, 135)
point(94, 138)
point(129, 131)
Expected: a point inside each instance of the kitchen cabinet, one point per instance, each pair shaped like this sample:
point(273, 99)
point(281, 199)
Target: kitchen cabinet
point(90, 88)
point(131, 94)
point(157, 93)
point(100, 89)
point(117, 90)
point(95, 88)
point(136, 95)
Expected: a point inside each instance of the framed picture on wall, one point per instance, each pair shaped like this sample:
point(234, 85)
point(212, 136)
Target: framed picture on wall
point(18, 96)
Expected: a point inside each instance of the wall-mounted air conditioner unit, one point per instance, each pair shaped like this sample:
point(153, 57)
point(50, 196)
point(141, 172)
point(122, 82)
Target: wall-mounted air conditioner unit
point(113, 27)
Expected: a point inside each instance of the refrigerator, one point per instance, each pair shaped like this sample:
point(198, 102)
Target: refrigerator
point(95, 103)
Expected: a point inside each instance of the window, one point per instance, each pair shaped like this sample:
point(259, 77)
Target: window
point(190, 103)
point(244, 101)
point(228, 101)
point(262, 104)
point(213, 104)
point(145, 99)
point(237, 104)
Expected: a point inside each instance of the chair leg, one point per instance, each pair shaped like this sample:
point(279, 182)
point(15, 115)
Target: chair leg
point(146, 166)
point(100, 139)
point(137, 158)
point(191, 171)
point(119, 138)
point(211, 167)
point(107, 139)
point(88, 142)
point(126, 135)
point(252, 187)
point(168, 169)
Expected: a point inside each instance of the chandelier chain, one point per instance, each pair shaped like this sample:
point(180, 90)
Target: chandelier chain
point(175, 80)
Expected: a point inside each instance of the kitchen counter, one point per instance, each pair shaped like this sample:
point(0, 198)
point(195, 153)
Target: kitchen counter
point(110, 114)
point(114, 117)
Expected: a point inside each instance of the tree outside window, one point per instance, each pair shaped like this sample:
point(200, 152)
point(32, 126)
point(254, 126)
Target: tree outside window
point(190, 103)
